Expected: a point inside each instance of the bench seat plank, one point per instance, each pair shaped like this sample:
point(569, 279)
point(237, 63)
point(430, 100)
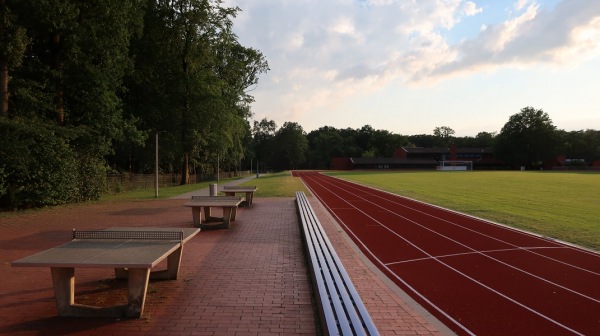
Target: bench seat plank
point(340, 306)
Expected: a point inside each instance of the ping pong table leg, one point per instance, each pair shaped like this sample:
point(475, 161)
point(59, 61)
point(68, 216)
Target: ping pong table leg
point(233, 213)
point(227, 216)
point(138, 286)
point(173, 264)
point(197, 215)
point(63, 280)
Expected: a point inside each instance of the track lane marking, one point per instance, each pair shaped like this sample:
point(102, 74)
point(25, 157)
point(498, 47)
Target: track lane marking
point(480, 220)
point(437, 260)
point(472, 249)
point(470, 253)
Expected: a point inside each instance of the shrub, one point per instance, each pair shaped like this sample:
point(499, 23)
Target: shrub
point(38, 167)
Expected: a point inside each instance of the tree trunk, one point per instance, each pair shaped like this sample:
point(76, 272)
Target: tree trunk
point(4, 87)
point(185, 169)
point(60, 94)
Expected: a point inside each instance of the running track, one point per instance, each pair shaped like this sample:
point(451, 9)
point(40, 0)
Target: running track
point(478, 277)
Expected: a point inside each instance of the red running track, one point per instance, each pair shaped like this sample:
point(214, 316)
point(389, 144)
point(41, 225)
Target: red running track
point(478, 277)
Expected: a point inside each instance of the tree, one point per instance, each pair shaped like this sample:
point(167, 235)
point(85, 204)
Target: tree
point(445, 133)
point(425, 140)
point(482, 139)
point(527, 139)
point(13, 40)
point(292, 146)
point(581, 145)
point(263, 140)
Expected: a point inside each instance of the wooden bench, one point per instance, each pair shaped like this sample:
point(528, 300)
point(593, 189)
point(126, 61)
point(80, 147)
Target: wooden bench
point(132, 252)
point(247, 190)
point(201, 210)
point(341, 310)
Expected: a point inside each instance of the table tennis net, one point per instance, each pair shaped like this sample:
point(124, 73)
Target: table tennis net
point(108, 234)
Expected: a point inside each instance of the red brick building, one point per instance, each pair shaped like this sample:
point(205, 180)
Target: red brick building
point(421, 158)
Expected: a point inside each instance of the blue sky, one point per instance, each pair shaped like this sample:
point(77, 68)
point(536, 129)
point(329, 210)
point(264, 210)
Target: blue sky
point(408, 66)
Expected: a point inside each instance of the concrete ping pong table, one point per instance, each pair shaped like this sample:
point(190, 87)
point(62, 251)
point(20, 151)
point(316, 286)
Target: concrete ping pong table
point(201, 210)
point(132, 252)
point(248, 190)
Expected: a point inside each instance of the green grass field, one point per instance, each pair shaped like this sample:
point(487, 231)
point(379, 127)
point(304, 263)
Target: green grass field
point(561, 205)
point(277, 185)
point(270, 185)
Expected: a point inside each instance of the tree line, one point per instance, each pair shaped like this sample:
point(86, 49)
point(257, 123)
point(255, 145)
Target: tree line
point(86, 86)
point(528, 138)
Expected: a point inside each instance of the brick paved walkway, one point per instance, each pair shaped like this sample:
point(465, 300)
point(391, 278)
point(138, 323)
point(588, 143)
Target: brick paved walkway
point(248, 280)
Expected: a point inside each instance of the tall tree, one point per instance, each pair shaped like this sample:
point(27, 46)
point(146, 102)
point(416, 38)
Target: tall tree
point(13, 40)
point(324, 144)
point(528, 138)
point(263, 140)
point(445, 134)
point(581, 145)
point(292, 146)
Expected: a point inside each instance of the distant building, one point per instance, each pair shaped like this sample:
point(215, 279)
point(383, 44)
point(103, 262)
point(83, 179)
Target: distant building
point(421, 158)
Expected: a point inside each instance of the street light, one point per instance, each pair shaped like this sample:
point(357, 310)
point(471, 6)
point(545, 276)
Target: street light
point(156, 165)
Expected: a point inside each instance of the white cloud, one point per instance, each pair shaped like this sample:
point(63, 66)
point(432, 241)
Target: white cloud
point(470, 9)
point(533, 37)
point(321, 53)
point(520, 4)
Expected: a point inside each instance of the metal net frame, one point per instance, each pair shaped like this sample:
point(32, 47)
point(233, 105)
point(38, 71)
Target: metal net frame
point(112, 234)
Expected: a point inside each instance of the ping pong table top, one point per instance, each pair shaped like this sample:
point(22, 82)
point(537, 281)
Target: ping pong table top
point(120, 252)
point(239, 188)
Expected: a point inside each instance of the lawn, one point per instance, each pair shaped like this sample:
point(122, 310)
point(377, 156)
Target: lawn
point(277, 185)
point(561, 205)
point(269, 185)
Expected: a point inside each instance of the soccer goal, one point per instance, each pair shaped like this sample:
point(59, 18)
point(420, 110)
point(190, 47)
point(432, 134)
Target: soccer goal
point(452, 165)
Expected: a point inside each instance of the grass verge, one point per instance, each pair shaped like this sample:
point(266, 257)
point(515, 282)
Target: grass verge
point(281, 184)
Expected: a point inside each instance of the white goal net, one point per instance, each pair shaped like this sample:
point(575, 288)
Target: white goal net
point(452, 165)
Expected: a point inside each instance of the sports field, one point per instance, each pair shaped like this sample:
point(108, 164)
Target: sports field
point(561, 205)
point(477, 277)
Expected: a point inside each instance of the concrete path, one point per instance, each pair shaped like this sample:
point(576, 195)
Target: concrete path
point(205, 191)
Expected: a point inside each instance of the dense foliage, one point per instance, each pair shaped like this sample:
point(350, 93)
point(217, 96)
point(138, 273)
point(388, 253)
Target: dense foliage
point(86, 85)
point(528, 138)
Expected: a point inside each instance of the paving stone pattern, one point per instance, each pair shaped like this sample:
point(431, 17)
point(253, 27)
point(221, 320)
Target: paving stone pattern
point(251, 279)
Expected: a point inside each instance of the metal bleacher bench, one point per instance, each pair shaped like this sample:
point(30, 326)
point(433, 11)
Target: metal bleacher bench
point(340, 308)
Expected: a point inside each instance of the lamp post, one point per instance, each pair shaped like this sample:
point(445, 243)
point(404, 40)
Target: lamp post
point(156, 165)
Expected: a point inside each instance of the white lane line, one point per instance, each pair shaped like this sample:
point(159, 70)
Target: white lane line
point(445, 264)
point(485, 222)
point(472, 252)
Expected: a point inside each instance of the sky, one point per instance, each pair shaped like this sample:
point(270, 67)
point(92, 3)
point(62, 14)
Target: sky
point(409, 66)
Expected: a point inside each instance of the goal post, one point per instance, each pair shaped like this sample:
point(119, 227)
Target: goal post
point(453, 165)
